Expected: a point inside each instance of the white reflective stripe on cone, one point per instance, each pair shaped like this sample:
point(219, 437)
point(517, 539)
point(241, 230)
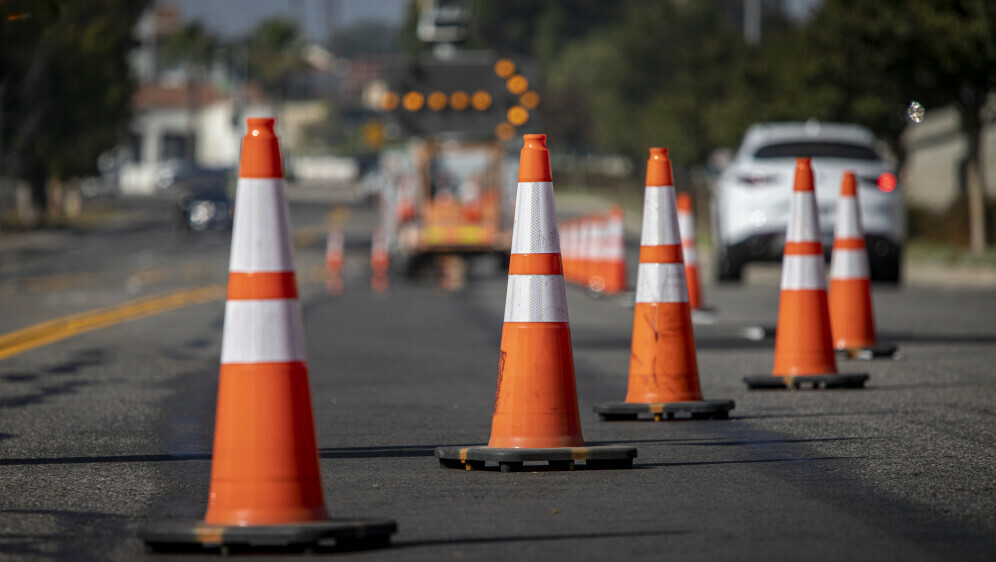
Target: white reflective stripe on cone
point(659, 209)
point(565, 239)
point(803, 272)
point(535, 226)
point(661, 282)
point(602, 246)
point(616, 250)
point(262, 331)
point(260, 235)
point(849, 264)
point(686, 226)
point(804, 224)
point(691, 258)
point(848, 219)
point(536, 298)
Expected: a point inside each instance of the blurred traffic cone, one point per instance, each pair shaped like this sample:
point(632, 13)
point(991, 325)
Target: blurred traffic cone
point(663, 371)
point(536, 406)
point(585, 251)
point(614, 252)
point(571, 266)
point(265, 482)
point(379, 261)
point(803, 346)
point(686, 225)
point(334, 259)
point(597, 262)
point(565, 238)
point(851, 315)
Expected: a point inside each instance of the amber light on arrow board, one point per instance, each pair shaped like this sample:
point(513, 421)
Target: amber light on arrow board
point(481, 100)
point(413, 101)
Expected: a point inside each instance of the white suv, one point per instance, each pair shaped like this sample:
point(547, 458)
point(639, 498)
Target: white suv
point(751, 198)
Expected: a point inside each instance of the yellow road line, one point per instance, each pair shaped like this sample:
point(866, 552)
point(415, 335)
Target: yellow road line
point(62, 328)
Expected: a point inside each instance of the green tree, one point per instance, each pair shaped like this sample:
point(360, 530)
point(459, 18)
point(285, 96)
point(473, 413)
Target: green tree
point(275, 55)
point(192, 46)
point(65, 87)
point(866, 61)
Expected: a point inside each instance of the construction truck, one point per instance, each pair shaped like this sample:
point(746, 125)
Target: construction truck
point(454, 206)
point(451, 194)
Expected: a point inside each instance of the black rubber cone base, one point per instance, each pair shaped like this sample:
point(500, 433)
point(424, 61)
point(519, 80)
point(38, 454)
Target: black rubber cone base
point(558, 458)
point(880, 351)
point(830, 380)
point(697, 410)
point(331, 535)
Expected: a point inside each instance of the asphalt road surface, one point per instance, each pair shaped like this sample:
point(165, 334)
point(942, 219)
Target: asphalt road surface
point(109, 430)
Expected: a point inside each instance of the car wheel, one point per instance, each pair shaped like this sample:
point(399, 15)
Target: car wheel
point(729, 268)
point(887, 268)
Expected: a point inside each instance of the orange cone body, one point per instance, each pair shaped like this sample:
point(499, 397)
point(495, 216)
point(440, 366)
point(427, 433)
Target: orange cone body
point(584, 251)
point(265, 464)
point(851, 315)
point(334, 260)
point(536, 402)
point(803, 345)
point(564, 228)
point(663, 366)
point(334, 255)
point(614, 251)
point(597, 265)
point(379, 260)
point(686, 224)
point(574, 276)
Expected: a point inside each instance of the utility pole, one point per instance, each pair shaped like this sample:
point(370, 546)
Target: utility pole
point(752, 22)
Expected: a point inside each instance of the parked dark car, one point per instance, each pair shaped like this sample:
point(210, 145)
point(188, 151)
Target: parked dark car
point(203, 202)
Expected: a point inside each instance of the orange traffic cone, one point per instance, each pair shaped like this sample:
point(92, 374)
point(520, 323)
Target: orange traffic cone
point(803, 346)
point(663, 371)
point(686, 225)
point(597, 263)
point(334, 259)
point(585, 242)
point(574, 244)
point(265, 482)
point(614, 252)
point(536, 406)
point(851, 315)
point(379, 261)
point(563, 227)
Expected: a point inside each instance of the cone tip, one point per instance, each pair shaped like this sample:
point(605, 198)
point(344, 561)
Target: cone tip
point(534, 141)
point(259, 125)
point(848, 186)
point(260, 156)
point(534, 161)
point(659, 168)
point(803, 175)
point(684, 202)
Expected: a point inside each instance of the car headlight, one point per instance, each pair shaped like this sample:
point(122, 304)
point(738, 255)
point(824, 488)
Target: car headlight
point(201, 214)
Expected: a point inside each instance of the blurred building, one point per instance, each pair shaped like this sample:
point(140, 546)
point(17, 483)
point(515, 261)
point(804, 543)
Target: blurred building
point(936, 163)
point(183, 122)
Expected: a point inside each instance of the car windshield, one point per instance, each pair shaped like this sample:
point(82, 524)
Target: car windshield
point(816, 150)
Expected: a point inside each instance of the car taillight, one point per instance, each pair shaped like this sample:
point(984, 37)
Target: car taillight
point(757, 178)
point(887, 182)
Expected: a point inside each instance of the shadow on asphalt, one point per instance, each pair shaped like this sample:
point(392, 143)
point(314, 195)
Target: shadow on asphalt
point(901, 337)
point(80, 360)
point(377, 452)
point(106, 459)
point(748, 461)
point(525, 538)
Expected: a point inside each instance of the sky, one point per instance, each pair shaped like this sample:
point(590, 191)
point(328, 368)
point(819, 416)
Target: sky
point(232, 18)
